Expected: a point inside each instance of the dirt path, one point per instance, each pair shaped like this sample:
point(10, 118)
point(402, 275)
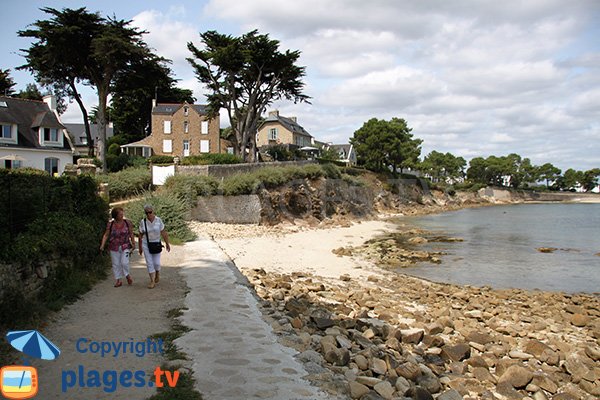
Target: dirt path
point(107, 314)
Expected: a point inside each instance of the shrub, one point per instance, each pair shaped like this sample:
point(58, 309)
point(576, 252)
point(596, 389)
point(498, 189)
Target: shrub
point(331, 171)
point(160, 159)
point(189, 187)
point(171, 209)
point(352, 180)
point(128, 182)
point(211, 159)
point(114, 149)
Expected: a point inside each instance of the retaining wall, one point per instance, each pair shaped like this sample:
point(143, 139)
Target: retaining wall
point(244, 209)
point(225, 170)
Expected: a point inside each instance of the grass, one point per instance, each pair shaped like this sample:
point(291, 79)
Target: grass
point(177, 330)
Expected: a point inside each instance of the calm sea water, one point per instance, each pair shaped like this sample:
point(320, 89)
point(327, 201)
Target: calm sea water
point(500, 247)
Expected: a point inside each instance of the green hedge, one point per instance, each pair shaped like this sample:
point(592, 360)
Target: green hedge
point(211, 159)
point(171, 209)
point(128, 183)
point(159, 159)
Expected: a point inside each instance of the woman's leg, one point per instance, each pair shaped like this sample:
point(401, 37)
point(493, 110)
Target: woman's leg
point(125, 265)
point(150, 265)
point(115, 257)
point(156, 262)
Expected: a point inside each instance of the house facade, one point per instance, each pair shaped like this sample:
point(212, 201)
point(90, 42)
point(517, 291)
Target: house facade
point(345, 152)
point(79, 139)
point(277, 129)
point(31, 135)
point(179, 130)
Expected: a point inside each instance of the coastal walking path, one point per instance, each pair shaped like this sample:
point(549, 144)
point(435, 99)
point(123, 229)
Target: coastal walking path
point(234, 353)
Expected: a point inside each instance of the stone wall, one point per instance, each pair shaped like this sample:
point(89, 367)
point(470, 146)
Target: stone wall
point(24, 278)
point(506, 195)
point(244, 209)
point(225, 170)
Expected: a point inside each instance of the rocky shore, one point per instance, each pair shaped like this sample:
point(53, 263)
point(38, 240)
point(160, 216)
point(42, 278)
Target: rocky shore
point(395, 337)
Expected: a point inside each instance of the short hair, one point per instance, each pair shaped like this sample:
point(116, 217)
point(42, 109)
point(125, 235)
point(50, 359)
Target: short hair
point(115, 211)
point(148, 207)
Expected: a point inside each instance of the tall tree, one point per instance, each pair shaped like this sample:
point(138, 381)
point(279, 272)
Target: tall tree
point(78, 46)
point(590, 179)
point(382, 144)
point(31, 92)
point(549, 172)
point(134, 89)
point(244, 76)
point(6, 83)
point(442, 166)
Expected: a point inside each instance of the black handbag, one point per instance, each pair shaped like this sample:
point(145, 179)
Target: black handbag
point(153, 247)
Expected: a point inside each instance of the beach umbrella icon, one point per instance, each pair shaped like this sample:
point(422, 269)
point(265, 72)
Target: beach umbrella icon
point(33, 344)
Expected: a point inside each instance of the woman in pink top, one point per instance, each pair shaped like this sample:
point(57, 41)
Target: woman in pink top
point(121, 242)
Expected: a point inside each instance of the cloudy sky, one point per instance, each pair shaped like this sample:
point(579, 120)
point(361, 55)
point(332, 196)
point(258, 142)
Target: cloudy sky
point(471, 77)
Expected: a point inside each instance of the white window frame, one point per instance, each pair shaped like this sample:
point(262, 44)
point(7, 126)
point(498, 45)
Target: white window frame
point(167, 146)
point(167, 127)
point(186, 127)
point(186, 143)
point(273, 134)
point(186, 111)
point(13, 134)
point(55, 143)
point(204, 127)
point(205, 146)
point(84, 141)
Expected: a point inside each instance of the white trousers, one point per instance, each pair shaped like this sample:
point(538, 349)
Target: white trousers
point(120, 262)
point(152, 260)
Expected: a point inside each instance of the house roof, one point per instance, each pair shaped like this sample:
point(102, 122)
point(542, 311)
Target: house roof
point(339, 147)
point(145, 142)
point(288, 123)
point(29, 115)
point(77, 131)
point(170, 109)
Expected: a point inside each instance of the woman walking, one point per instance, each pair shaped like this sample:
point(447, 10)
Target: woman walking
point(121, 242)
point(152, 229)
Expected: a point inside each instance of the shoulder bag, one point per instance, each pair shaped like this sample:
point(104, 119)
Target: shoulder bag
point(153, 247)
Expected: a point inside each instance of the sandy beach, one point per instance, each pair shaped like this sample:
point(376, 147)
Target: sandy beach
point(366, 332)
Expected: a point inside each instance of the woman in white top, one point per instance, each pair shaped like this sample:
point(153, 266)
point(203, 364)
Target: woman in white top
point(152, 229)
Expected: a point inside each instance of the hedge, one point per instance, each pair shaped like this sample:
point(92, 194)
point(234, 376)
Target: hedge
point(129, 182)
point(211, 159)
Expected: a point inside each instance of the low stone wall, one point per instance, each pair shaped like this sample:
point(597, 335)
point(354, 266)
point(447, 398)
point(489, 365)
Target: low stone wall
point(225, 170)
point(245, 209)
point(24, 278)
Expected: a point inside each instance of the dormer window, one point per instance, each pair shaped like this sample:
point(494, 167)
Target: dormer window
point(8, 133)
point(50, 135)
point(186, 111)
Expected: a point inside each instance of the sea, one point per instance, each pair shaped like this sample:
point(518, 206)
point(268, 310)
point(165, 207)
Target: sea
point(500, 247)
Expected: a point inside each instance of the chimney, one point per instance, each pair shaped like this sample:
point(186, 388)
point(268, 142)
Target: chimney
point(274, 113)
point(50, 100)
point(294, 119)
point(153, 103)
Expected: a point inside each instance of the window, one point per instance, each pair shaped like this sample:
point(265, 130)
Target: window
point(6, 132)
point(51, 165)
point(204, 146)
point(205, 127)
point(167, 146)
point(230, 150)
point(186, 127)
point(146, 152)
point(273, 134)
point(50, 135)
point(167, 127)
point(186, 111)
point(186, 148)
point(83, 140)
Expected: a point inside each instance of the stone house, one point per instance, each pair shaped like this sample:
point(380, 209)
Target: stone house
point(277, 129)
point(179, 130)
point(32, 135)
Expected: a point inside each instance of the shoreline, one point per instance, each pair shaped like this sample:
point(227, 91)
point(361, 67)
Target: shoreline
point(325, 306)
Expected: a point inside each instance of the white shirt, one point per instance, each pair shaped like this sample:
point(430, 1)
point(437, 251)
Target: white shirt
point(154, 229)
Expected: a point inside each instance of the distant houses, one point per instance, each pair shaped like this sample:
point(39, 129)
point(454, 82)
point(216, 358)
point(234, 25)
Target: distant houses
point(79, 139)
point(32, 135)
point(180, 130)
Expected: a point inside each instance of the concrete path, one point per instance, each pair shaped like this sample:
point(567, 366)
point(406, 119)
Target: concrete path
point(234, 351)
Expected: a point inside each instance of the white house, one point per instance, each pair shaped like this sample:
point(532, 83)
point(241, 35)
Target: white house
point(31, 135)
point(346, 153)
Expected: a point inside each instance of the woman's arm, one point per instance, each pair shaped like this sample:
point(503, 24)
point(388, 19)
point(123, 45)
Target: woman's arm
point(165, 237)
point(105, 238)
point(131, 234)
point(140, 236)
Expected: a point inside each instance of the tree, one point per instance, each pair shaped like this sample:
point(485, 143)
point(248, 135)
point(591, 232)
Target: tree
point(31, 92)
point(442, 166)
point(6, 83)
point(244, 76)
point(590, 179)
point(549, 172)
point(79, 46)
point(134, 89)
point(381, 144)
point(329, 154)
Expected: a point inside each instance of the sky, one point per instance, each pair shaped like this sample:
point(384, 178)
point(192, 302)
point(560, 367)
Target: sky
point(475, 78)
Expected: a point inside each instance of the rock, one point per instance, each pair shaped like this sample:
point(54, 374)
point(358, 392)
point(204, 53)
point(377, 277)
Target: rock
point(408, 370)
point(369, 334)
point(503, 364)
point(402, 385)
point(592, 388)
point(345, 278)
point(450, 395)
point(372, 395)
point(297, 323)
point(429, 381)
point(357, 390)
point(517, 376)
point(367, 380)
point(544, 382)
point(536, 347)
point(339, 357)
point(310, 356)
point(323, 323)
point(412, 335)
point(539, 396)
point(580, 320)
point(344, 342)
point(433, 341)
point(479, 337)
point(362, 362)
point(418, 393)
point(379, 366)
point(385, 389)
point(546, 249)
point(477, 314)
point(507, 390)
point(550, 357)
point(564, 396)
point(519, 355)
point(483, 374)
point(434, 328)
point(575, 365)
point(593, 352)
point(328, 344)
point(417, 240)
point(457, 352)
point(458, 368)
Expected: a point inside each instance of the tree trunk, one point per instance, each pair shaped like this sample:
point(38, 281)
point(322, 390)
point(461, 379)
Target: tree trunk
point(102, 100)
point(86, 121)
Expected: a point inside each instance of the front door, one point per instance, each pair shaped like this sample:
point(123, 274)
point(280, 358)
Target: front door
point(186, 148)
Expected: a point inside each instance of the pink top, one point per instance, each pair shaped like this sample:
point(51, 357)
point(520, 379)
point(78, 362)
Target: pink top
point(119, 235)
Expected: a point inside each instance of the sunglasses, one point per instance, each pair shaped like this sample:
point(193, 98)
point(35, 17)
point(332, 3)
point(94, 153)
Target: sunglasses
point(149, 212)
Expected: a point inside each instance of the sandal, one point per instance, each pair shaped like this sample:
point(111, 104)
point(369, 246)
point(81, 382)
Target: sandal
point(157, 277)
point(118, 283)
point(129, 280)
point(151, 285)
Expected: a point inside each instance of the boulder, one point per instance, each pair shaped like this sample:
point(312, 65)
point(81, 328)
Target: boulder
point(402, 385)
point(580, 320)
point(536, 347)
point(450, 395)
point(409, 370)
point(517, 376)
point(457, 352)
point(385, 390)
point(418, 393)
point(357, 390)
point(379, 366)
point(412, 335)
